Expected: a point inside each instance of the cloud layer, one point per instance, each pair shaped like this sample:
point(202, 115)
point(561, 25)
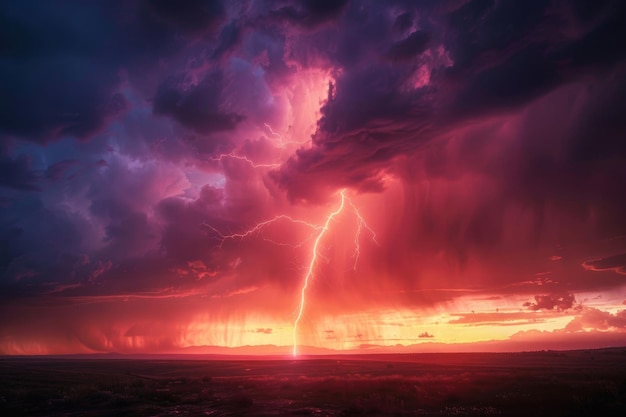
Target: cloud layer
point(479, 145)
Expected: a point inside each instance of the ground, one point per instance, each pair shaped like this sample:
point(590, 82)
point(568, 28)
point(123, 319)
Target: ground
point(573, 383)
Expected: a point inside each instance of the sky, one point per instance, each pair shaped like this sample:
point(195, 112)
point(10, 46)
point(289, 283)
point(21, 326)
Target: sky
point(286, 175)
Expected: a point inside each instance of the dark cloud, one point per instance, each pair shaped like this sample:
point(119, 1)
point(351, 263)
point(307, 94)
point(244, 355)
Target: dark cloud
point(502, 57)
point(9, 235)
point(425, 335)
point(594, 42)
point(17, 173)
point(195, 231)
point(403, 22)
point(494, 129)
point(56, 171)
point(58, 76)
point(153, 276)
point(62, 63)
point(128, 230)
point(197, 16)
point(616, 263)
point(183, 238)
point(551, 302)
point(230, 37)
point(361, 130)
point(481, 27)
point(410, 47)
point(40, 245)
point(309, 13)
point(510, 84)
point(504, 65)
point(198, 107)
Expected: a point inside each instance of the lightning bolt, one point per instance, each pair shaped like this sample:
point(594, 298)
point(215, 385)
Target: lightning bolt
point(253, 164)
point(361, 224)
point(309, 272)
point(278, 135)
point(283, 143)
point(258, 228)
point(318, 232)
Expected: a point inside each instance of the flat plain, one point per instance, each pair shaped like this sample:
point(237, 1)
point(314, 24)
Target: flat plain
point(546, 383)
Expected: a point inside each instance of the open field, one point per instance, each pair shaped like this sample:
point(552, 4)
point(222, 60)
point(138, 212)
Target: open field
point(574, 383)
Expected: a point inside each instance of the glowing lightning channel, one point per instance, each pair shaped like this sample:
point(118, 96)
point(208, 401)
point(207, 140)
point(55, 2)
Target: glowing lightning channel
point(245, 159)
point(258, 227)
point(309, 272)
point(315, 255)
point(283, 143)
point(273, 133)
point(276, 134)
point(361, 224)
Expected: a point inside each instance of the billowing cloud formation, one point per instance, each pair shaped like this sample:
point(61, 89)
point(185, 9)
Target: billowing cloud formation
point(198, 108)
point(502, 67)
point(594, 319)
point(153, 153)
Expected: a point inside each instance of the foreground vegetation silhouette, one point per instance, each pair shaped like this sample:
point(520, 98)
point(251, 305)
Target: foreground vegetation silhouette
point(573, 383)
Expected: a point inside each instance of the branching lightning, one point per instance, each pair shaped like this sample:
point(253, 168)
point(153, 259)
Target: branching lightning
point(278, 135)
point(257, 228)
point(283, 143)
point(361, 224)
point(318, 234)
point(253, 164)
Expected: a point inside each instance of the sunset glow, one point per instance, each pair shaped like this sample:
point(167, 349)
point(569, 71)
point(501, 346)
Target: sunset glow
point(300, 177)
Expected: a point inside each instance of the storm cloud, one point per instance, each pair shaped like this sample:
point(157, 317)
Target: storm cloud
point(422, 158)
